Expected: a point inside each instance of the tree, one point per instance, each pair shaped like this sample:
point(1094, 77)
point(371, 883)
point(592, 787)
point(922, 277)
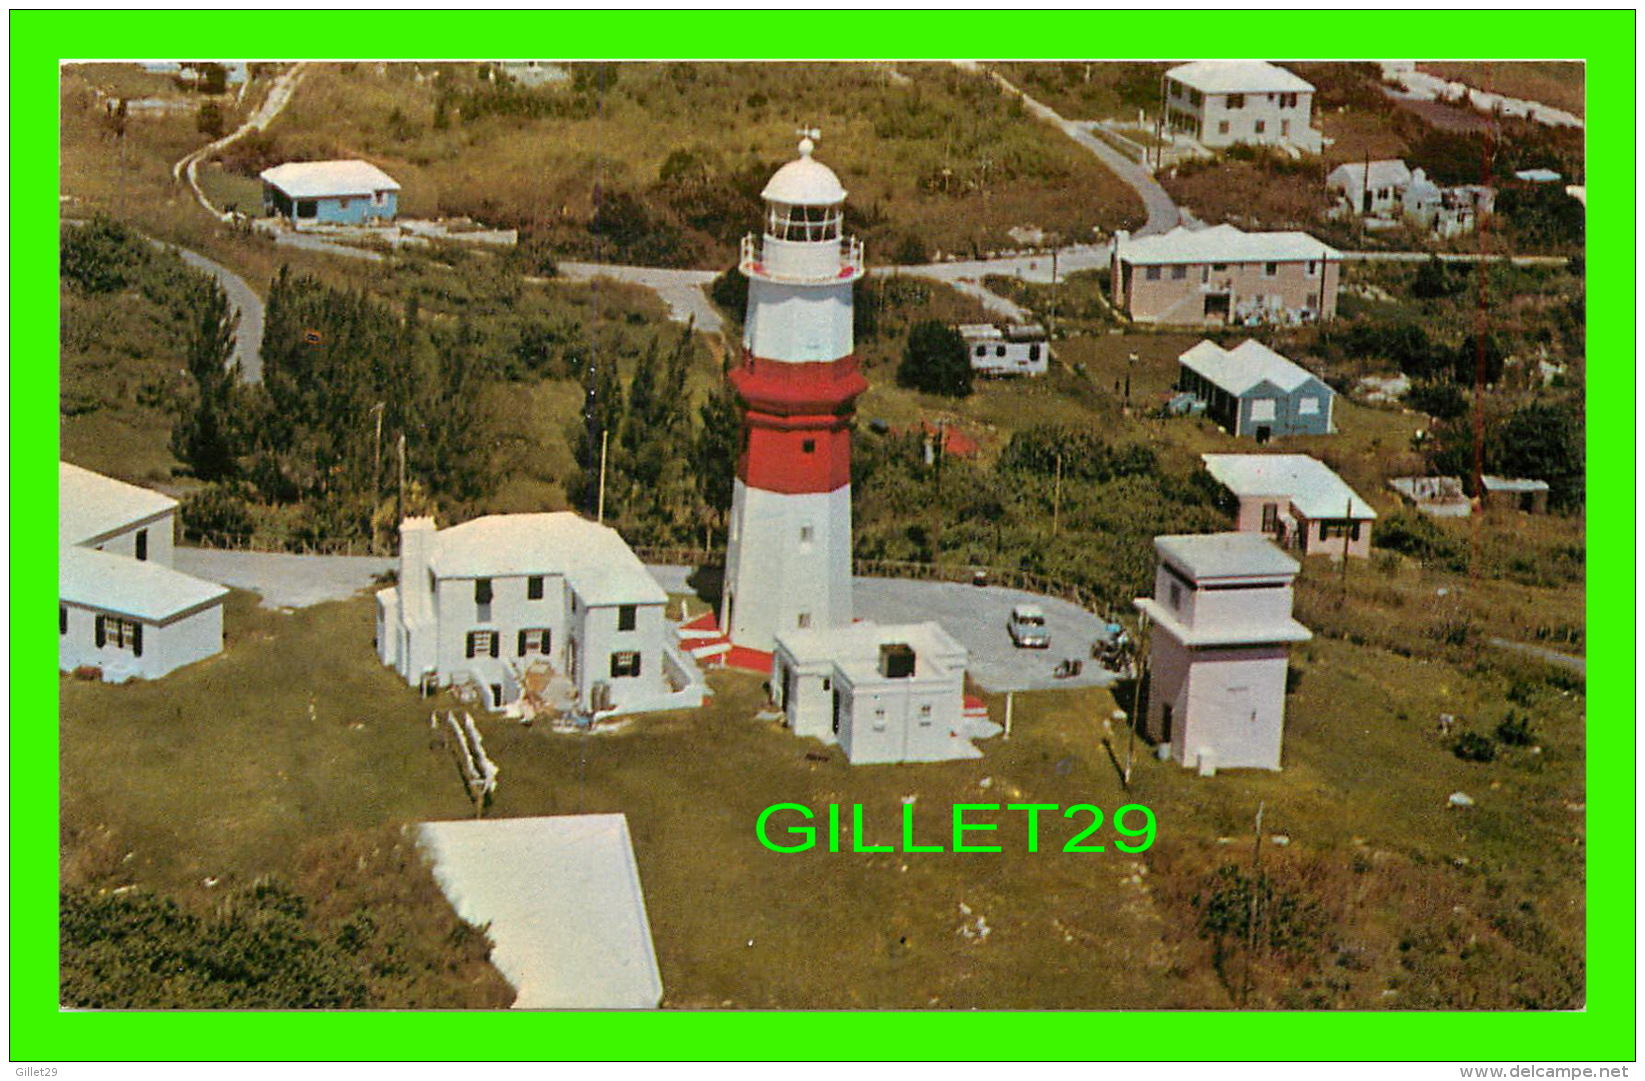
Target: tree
point(1436, 279)
point(209, 120)
point(1543, 440)
point(206, 434)
point(101, 256)
point(719, 438)
point(936, 361)
point(1466, 363)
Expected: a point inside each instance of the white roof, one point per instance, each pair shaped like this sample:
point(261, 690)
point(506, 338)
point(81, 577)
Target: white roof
point(562, 897)
point(90, 505)
point(1512, 484)
point(856, 649)
point(1537, 176)
point(1210, 556)
point(129, 587)
point(1384, 174)
point(1239, 369)
point(1310, 486)
point(599, 564)
point(1237, 77)
point(804, 181)
point(1224, 244)
point(317, 179)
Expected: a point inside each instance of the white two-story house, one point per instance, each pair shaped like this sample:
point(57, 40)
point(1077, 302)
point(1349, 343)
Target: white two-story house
point(482, 602)
point(1221, 103)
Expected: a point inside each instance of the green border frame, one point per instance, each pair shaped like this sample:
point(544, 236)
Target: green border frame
point(1603, 1031)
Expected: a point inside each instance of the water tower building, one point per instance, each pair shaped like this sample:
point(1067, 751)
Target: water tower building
point(788, 553)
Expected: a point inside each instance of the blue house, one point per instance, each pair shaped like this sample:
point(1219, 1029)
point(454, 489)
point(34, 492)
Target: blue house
point(1252, 390)
point(330, 193)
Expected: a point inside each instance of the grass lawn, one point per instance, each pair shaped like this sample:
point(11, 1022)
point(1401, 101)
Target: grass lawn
point(243, 765)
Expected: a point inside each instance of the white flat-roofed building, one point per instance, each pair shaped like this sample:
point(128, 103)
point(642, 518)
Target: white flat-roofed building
point(561, 900)
point(1011, 349)
point(1297, 500)
point(1224, 276)
point(1222, 103)
point(481, 602)
point(121, 608)
point(1219, 648)
point(1371, 189)
point(883, 693)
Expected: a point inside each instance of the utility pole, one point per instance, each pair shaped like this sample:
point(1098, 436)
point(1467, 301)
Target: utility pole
point(1251, 916)
point(377, 456)
point(1056, 495)
point(1347, 531)
point(936, 502)
point(400, 498)
point(605, 438)
point(1136, 699)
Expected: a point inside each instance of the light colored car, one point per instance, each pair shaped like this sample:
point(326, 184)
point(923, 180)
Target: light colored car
point(1027, 627)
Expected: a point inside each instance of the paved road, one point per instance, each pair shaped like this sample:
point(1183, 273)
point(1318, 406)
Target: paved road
point(248, 340)
point(285, 580)
point(1578, 665)
point(1163, 214)
point(1452, 257)
point(682, 290)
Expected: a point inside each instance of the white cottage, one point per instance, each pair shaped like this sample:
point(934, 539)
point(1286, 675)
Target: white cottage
point(121, 608)
point(485, 602)
point(1222, 631)
point(1008, 349)
point(883, 693)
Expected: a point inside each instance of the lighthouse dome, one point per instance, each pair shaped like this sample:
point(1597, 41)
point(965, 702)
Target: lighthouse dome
point(804, 181)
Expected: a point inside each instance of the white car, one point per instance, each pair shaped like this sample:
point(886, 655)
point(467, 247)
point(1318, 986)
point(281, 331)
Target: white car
point(1027, 627)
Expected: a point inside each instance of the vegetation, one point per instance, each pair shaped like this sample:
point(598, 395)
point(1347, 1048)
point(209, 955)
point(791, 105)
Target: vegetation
point(936, 361)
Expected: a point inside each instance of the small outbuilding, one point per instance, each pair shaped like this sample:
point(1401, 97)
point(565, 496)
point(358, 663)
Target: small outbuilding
point(1514, 493)
point(1297, 500)
point(1253, 391)
point(1006, 349)
point(1371, 189)
point(330, 193)
point(883, 693)
point(1220, 642)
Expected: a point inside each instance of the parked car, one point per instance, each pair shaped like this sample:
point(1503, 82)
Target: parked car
point(1027, 627)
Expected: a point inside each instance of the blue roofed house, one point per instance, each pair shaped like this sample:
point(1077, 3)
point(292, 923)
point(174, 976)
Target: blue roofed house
point(1251, 390)
point(330, 193)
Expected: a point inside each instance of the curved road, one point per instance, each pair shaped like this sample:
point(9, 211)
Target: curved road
point(1163, 214)
point(248, 339)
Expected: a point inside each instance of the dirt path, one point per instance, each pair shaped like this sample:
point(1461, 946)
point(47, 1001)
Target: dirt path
point(1563, 660)
point(279, 95)
point(248, 338)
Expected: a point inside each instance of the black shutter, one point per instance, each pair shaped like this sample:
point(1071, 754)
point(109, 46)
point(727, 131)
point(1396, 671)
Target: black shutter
point(62, 619)
point(522, 644)
point(137, 639)
point(495, 637)
point(102, 633)
point(470, 645)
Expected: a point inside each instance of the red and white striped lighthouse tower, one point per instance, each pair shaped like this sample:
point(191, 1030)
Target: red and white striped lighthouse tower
point(788, 553)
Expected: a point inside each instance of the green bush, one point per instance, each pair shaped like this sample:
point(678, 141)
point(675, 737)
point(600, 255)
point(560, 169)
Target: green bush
point(936, 361)
point(1473, 747)
point(1515, 730)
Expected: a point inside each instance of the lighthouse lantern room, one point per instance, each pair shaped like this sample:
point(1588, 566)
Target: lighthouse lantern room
point(788, 554)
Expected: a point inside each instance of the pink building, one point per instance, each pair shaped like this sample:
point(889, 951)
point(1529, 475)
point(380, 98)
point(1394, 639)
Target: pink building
point(1222, 631)
point(1224, 276)
point(1297, 501)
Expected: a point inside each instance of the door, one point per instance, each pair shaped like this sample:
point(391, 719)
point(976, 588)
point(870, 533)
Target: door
point(1216, 307)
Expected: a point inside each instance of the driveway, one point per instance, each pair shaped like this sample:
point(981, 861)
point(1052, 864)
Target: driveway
point(248, 339)
point(975, 616)
point(682, 290)
point(284, 579)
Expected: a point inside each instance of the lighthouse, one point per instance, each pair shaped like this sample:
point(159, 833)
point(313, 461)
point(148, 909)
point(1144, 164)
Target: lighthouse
point(788, 549)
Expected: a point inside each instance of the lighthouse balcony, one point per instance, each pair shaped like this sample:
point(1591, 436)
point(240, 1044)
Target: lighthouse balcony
point(796, 261)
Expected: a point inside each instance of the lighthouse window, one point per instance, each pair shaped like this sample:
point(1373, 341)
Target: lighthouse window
point(808, 446)
point(804, 620)
point(804, 222)
point(806, 534)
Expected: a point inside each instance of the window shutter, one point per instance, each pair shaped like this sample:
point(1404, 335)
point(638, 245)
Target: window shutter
point(471, 646)
point(137, 639)
point(102, 632)
point(522, 644)
point(495, 636)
